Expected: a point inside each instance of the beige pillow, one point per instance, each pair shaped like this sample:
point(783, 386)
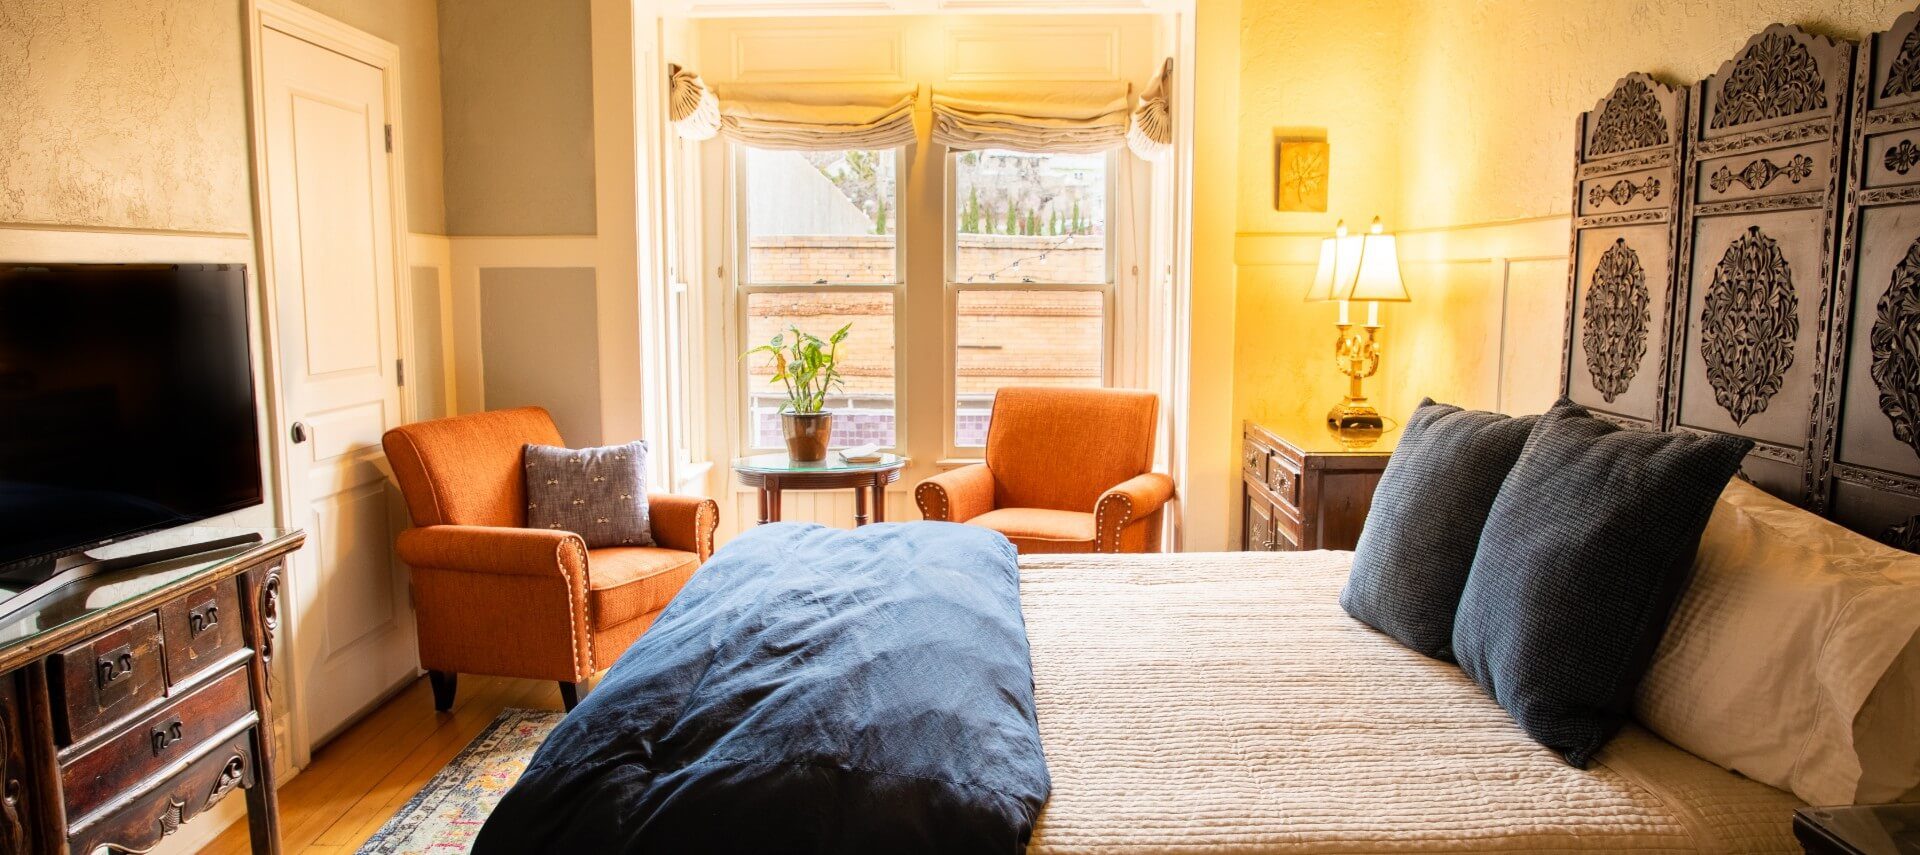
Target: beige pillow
point(1793, 658)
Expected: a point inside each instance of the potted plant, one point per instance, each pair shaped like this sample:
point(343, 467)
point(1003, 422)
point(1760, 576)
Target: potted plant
point(810, 369)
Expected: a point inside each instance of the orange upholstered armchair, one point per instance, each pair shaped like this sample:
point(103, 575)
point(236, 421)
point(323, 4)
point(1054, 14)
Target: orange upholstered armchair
point(496, 598)
point(1068, 470)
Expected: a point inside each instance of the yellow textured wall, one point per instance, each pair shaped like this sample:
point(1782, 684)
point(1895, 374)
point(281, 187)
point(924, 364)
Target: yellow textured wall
point(1460, 114)
point(129, 114)
point(1493, 86)
point(1320, 67)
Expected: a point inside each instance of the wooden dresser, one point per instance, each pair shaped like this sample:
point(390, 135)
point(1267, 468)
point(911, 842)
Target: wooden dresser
point(1305, 487)
point(134, 700)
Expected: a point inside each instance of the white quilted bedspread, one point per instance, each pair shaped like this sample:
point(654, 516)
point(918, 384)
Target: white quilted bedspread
point(1223, 703)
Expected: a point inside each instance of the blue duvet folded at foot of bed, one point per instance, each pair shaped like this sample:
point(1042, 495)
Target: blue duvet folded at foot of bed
point(809, 690)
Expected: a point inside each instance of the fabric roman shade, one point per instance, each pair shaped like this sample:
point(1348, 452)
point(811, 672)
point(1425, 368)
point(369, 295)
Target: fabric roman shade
point(818, 116)
point(1052, 117)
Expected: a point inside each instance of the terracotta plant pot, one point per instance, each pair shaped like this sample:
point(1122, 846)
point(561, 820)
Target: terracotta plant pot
point(807, 435)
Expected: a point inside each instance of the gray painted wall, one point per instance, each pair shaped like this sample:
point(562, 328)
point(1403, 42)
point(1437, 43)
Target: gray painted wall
point(427, 371)
point(517, 99)
point(539, 345)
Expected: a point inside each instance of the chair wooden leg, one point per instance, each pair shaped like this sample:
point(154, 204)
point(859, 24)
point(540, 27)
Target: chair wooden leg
point(444, 684)
point(569, 696)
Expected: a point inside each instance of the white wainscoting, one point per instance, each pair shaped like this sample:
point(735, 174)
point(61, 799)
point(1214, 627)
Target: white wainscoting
point(1484, 329)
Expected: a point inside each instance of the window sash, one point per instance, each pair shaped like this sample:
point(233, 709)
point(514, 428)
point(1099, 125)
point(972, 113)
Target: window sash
point(743, 291)
point(950, 310)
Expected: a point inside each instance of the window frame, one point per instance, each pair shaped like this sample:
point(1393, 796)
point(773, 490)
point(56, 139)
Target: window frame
point(743, 289)
point(950, 300)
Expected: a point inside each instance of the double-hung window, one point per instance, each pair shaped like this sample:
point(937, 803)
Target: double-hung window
point(1030, 277)
point(819, 250)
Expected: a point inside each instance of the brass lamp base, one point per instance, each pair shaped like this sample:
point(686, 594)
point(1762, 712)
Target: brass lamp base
point(1355, 415)
point(1357, 352)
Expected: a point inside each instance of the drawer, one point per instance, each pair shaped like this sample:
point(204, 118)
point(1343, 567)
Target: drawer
point(98, 682)
point(151, 743)
point(157, 811)
point(1283, 480)
point(201, 628)
point(1253, 459)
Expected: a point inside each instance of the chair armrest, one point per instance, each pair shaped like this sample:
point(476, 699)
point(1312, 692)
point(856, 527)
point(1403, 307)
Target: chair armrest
point(956, 495)
point(685, 523)
point(501, 600)
point(1134, 499)
point(496, 549)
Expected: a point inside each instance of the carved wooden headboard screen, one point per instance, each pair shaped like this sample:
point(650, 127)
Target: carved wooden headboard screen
point(1765, 142)
point(1869, 450)
point(1791, 305)
point(1626, 202)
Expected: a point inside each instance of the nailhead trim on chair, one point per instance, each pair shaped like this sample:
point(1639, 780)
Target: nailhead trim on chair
point(1100, 517)
point(578, 594)
point(920, 494)
point(703, 527)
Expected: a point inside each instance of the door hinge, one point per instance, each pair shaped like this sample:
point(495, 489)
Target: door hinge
point(399, 372)
point(389, 139)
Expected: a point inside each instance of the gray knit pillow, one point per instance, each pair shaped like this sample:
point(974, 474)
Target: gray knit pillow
point(597, 493)
point(1585, 552)
point(1424, 527)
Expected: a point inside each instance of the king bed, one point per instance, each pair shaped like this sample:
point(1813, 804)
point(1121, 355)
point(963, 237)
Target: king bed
point(1251, 714)
point(813, 690)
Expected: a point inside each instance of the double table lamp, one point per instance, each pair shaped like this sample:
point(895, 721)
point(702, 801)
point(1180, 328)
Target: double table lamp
point(1365, 268)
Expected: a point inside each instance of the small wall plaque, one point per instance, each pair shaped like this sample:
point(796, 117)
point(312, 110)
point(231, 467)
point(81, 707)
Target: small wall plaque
point(1300, 168)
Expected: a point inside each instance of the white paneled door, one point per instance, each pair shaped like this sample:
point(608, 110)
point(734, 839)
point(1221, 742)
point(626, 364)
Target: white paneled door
point(332, 237)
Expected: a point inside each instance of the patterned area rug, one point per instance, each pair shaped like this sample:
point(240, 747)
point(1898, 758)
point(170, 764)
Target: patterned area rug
point(446, 814)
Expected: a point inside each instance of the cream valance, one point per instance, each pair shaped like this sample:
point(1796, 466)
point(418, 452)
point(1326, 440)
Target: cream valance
point(818, 116)
point(1062, 117)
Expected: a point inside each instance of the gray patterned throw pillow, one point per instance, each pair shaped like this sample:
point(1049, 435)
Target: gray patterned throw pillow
point(597, 493)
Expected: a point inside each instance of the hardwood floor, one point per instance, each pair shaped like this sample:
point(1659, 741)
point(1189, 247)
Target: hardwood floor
point(365, 775)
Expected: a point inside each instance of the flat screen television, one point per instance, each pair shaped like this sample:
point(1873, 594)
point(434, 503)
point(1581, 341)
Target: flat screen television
point(126, 406)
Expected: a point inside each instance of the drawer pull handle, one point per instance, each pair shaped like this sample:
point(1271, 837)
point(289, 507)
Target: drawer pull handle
point(168, 736)
point(202, 619)
point(117, 665)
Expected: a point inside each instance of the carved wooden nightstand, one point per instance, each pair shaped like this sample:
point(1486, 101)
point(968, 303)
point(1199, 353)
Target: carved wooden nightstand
point(1306, 487)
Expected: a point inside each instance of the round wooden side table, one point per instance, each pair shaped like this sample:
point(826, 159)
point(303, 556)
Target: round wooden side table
point(772, 473)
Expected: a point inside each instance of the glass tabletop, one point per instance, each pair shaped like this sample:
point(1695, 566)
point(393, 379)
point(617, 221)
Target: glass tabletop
point(1872, 829)
point(85, 597)
point(778, 464)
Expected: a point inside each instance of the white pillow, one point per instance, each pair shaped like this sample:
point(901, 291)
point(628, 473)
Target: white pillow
point(1784, 660)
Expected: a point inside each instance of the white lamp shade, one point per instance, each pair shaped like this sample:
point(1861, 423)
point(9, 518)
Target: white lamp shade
point(1339, 259)
point(1376, 275)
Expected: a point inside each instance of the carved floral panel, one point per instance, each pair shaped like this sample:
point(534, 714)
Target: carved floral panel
point(1749, 323)
point(1630, 120)
point(1895, 345)
point(1615, 320)
point(1774, 77)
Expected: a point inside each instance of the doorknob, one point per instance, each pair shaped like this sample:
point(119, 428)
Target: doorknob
point(299, 432)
